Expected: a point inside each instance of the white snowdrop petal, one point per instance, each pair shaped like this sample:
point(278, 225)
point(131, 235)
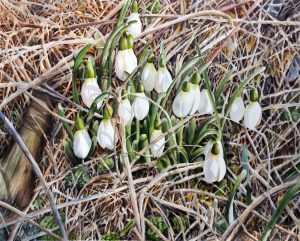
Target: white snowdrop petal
point(183, 103)
point(210, 169)
point(82, 143)
point(222, 168)
point(163, 80)
point(125, 111)
point(106, 135)
point(135, 28)
point(90, 91)
point(140, 106)
point(130, 61)
point(205, 106)
point(196, 102)
point(148, 76)
point(237, 109)
point(157, 149)
point(253, 114)
point(120, 64)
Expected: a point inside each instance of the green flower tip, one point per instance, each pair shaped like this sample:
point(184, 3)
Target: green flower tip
point(123, 43)
point(215, 149)
point(135, 7)
point(130, 41)
point(196, 78)
point(254, 96)
point(79, 125)
point(186, 86)
point(143, 137)
point(141, 88)
point(89, 73)
point(108, 112)
point(151, 58)
point(162, 62)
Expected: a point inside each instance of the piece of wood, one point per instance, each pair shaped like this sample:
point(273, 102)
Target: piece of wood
point(16, 175)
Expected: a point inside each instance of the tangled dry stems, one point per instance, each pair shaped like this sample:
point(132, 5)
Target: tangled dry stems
point(38, 41)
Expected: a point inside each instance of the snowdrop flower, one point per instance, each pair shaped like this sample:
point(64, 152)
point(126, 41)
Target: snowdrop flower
point(90, 89)
point(149, 74)
point(237, 109)
point(126, 60)
point(205, 106)
point(125, 111)
point(214, 165)
point(106, 135)
point(196, 92)
point(82, 142)
point(183, 102)
point(157, 149)
point(135, 28)
point(253, 111)
point(163, 77)
point(140, 104)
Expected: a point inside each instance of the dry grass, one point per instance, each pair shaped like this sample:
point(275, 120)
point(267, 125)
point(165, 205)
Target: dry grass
point(37, 41)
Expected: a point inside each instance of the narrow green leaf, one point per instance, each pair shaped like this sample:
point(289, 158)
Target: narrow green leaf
point(154, 111)
point(127, 228)
point(191, 131)
point(282, 205)
point(245, 164)
point(93, 109)
point(222, 84)
point(66, 125)
point(229, 206)
point(123, 12)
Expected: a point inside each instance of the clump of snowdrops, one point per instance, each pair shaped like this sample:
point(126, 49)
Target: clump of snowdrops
point(138, 108)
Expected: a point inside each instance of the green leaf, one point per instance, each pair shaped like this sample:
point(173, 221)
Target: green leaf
point(245, 164)
point(67, 127)
point(93, 109)
point(183, 153)
point(222, 84)
point(154, 111)
point(221, 225)
point(68, 148)
point(282, 205)
point(191, 131)
point(127, 228)
point(123, 12)
point(163, 163)
point(77, 63)
point(229, 206)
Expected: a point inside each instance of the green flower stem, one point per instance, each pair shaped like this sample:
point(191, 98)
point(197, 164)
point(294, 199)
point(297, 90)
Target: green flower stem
point(180, 141)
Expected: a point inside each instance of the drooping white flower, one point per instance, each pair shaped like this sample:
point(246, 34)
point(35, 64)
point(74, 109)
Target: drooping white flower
point(163, 77)
point(196, 92)
point(157, 149)
point(135, 28)
point(82, 142)
point(214, 168)
point(209, 145)
point(126, 60)
point(237, 109)
point(253, 111)
point(205, 106)
point(253, 114)
point(90, 91)
point(140, 106)
point(183, 102)
point(106, 136)
point(125, 111)
point(148, 76)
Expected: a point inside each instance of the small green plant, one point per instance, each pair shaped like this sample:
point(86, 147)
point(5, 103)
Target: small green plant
point(160, 224)
point(77, 178)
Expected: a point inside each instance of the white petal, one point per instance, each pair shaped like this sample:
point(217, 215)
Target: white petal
point(130, 61)
point(125, 111)
point(196, 102)
point(106, 135)
point(120, 64)
point(237, 109)
point(222, 168)
point(253, 113)
point(183, 103)
point(148, 76)
point(140, 106)
point(82, 143)
point(163, 80)
point(210, 169)
point(135, 28)
point(157, 149)
point(90, 91)
point(205, 106)
point(208, 146)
